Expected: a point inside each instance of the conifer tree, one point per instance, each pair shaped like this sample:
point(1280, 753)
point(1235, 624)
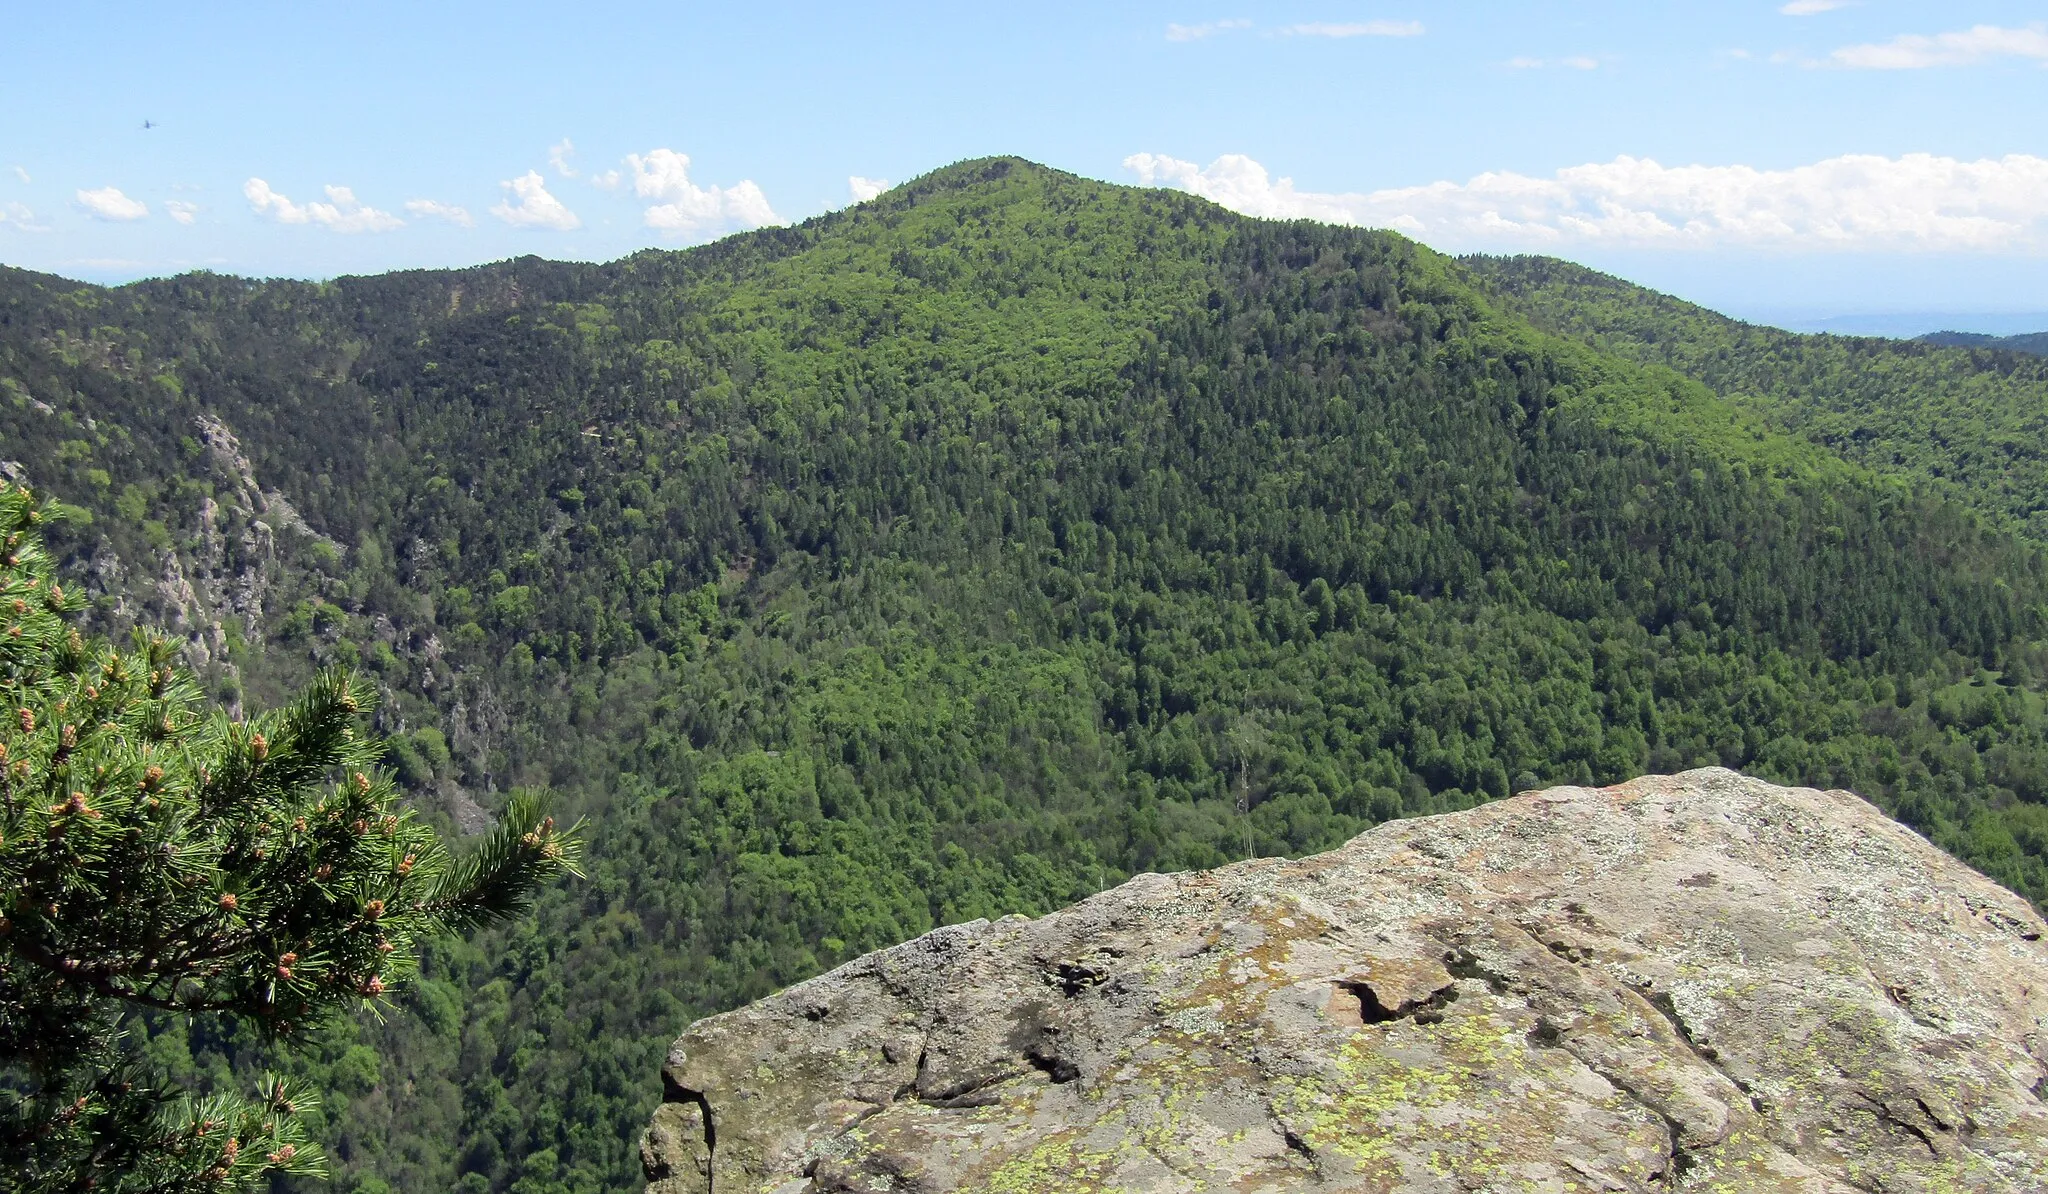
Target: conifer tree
point(155, 854)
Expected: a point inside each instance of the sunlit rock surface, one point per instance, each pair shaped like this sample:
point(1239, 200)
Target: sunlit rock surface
point(1699, 981)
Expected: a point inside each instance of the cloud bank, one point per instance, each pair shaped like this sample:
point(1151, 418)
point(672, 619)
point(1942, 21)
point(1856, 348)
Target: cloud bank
point(183, 211)
point(431, 209)
point(865, 189)
point(1914, 51)
point(108, 203)
point(341, 212)
point(1918, 202)
point(682, 208)
point(18, 215)
point(1206, 29)
point(1355, 29)
point(529, 205)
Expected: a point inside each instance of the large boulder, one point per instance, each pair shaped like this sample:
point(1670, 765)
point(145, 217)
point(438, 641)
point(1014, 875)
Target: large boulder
point(1699, 981)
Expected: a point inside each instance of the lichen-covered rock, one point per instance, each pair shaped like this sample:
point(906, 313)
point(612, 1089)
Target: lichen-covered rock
point(1691, 982)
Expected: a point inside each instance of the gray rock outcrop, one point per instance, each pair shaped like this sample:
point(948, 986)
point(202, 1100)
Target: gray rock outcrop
point(1694, 982)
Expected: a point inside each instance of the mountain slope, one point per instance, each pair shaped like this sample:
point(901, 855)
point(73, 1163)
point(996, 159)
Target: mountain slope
point(963, 553)
point(1972, 419)
point(2035, 343)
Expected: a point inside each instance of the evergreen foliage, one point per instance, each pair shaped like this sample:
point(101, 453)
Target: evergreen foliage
point(155, 855)
point(964, 552)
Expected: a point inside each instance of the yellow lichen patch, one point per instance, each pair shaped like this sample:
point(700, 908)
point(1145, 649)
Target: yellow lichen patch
point(1060, 1162)
point(1748, 1163)
point(1468, 1096)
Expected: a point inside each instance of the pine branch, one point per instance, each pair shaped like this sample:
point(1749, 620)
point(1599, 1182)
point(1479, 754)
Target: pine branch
point(156, 854)
point(496, 879)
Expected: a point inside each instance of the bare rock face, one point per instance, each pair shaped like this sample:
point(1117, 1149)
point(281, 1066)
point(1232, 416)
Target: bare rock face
point(1693, 982)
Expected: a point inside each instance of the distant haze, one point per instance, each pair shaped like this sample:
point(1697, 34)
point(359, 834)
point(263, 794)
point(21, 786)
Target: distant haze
point(1913, 323)
point(1852, 294)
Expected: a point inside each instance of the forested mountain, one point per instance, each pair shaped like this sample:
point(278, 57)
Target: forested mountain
point(963, 552)
point(1974, 419)
point(2029, 342)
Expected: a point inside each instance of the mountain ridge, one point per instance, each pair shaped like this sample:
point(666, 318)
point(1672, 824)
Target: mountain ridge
point(1973, 425)
point(2031, 343)
point(962, 556)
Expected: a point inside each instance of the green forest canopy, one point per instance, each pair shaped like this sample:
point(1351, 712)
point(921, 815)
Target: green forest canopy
point(1974, 421)
point(2028, 342)
point(966, 551)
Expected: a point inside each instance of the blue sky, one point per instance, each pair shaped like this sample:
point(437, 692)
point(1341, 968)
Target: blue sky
point(1871, 157)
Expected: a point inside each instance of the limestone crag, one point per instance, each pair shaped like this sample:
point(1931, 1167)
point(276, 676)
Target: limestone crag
point(1700, 981)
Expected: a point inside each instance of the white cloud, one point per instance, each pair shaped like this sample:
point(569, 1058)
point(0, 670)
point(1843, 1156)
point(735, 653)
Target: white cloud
point(271, 205)
point(1914, 51)
point(108, 203)
point(1809, 8)
point(684, 208)
point(558, 157)
point(429, 209)
point(341, 213)
point(19, 216)
point(1575, 62)
point(1206, 29)
point(865, 189)
point(22, 174)
point(181, 210)
point(1857, 202)
point(530, 205)
point(1355, 29)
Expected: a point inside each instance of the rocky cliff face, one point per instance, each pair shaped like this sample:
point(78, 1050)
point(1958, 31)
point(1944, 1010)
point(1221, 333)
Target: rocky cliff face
point(1691, 982)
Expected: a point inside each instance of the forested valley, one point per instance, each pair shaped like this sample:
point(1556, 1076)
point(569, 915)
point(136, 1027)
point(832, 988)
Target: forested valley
point(967, 551)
